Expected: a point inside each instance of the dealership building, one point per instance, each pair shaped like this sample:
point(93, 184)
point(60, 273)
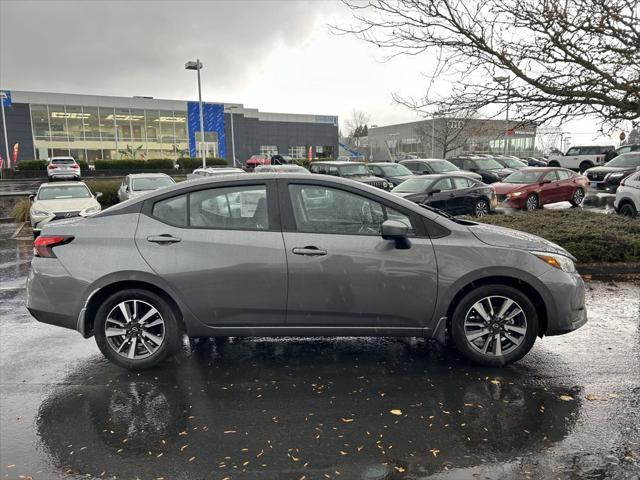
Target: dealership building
point(93, 127)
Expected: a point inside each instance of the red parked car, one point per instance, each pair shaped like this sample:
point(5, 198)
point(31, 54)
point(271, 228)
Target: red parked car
point(256, 160)
point(530, 188)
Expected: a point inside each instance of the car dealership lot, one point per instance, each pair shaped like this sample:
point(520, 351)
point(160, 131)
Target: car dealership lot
point(284, 408)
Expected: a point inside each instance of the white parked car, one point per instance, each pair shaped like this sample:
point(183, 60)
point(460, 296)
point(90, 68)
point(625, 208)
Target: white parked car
point(581, 158)
point(280, 169)
point(627, 200)
point(213, 172)
point(137, 184)
point(64, 168)
point(57, 201)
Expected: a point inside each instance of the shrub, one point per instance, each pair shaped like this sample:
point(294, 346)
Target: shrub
point(20, 211)
point(84, 166)
point(156, 164)
point(32, 165)
point(193, 163)
point(108, 188)
point(591, 237)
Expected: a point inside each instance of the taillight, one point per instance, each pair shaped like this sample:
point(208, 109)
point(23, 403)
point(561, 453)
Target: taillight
point(75, 165)
point(51, 167)
point(622, 181)
point(43, 245)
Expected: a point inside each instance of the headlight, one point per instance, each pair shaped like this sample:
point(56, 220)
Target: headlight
point(39, 213)
point(514, 194)
point(557, 261)
point(90, 210)
point(615, 175)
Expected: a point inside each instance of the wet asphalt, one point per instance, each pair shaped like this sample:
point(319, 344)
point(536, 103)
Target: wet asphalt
point(350, 408)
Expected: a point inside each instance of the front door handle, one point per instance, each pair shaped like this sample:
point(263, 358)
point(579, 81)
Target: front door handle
point(164, 238)
point(309, 251)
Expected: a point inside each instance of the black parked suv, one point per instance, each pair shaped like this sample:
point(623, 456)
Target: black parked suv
point(607, 177)
point(430, 166)
point(489, 169)
point(357, 171)
point(456, 194)
point(392, 172)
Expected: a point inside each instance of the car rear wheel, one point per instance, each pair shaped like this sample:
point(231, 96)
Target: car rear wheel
point(585, 166)
point(577, 198)
point(136, 329)
point(481, 208)
point(494, 325)
point(628, 210)
point(531, 203)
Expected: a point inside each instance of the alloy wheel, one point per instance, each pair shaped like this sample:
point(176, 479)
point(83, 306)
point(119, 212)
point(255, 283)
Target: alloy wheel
point(134, 329)
point(495, 326)
point(532, 202)
point(482, 208)
point(578, 196)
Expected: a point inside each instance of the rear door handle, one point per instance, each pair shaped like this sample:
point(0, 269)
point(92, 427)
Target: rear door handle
point(164, 238)
point(309, 251)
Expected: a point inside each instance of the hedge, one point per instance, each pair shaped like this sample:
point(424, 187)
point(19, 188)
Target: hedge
point(591, 237)
point(108, 188)
point(158, 164)
point(193, 163)
point(32, 165)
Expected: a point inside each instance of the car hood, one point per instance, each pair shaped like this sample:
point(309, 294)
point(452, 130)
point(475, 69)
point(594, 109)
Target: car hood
point(366, 178)
point(509, 238)
point(467, 173)
point(65, 205)
point(399, 178)
point(409, 195)
point(502, 172)
point(605, 169)
point(504, 188)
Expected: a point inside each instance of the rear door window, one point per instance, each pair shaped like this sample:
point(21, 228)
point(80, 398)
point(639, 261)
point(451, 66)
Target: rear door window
point(573, 151)
point(459, 183)
point(552, 176)
point(442, 185)
point(172, 210)
point(241, 207)
point(562, 175)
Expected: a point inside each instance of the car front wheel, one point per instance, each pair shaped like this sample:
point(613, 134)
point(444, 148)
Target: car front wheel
point(531, 203)
point(577, 198)
point(494, 325)
point(136, 329)
point(481, 208)
point(628, 210)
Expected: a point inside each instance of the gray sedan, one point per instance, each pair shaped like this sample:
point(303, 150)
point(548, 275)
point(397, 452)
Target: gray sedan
point(137, 184)
point(294, 254)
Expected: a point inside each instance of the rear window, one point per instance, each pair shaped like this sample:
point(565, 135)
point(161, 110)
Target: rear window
point(63, 161)
point(64, 191)
point(172, 210)
point(151, 183)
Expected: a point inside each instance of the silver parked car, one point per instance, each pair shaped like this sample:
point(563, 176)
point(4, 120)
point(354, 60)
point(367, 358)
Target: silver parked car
point(63, 168)
point(212, 172)
point(627, 200)
point(56, 201)
point(294, 254)
point(136, 184)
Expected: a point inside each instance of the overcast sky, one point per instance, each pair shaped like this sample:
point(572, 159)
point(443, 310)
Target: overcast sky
point(276, 56)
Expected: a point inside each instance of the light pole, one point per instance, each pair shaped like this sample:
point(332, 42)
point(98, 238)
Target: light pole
point(506, 130)
point(3, 96)
point(233, 140)
point(197, 66)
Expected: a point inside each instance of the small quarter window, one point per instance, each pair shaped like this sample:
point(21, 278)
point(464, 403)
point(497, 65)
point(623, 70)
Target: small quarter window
point(172, 210)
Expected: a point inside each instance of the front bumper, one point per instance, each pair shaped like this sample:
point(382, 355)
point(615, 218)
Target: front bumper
point(567, 311)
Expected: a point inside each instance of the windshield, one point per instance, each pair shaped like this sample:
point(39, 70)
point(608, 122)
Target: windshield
point(625, 160)
point(513, 163)
point(488, 164)
point(356, 169)
point(523, 176)
point(63, 161)
point(395, 170)
point(413, 185)
point(151, 183)
point(64, 191)
point(443, 166)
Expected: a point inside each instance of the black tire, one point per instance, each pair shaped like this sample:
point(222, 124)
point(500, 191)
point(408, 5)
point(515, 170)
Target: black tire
point(577, 198)
point(464, 346)
point(585, 166)
point(553, 163)
point(532, 203)
point(628, 210)
point(481, 208)
point(172, 330)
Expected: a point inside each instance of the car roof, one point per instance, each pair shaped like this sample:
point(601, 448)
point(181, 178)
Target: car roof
point(59, 184)
point(424, 160)
point(336, 162)
point(138, 175)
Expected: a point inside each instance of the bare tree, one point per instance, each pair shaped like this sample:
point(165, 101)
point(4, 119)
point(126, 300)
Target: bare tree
point(357, 127)
point(448, 134)
point(549, 59)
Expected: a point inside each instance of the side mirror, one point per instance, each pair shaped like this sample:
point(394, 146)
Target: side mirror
point(97, 195)
point(437, 190)
point(32, 197)
point(638, 168)
point(544, 182)
point(397, 231)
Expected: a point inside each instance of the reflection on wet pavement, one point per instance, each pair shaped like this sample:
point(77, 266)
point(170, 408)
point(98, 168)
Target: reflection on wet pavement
point(364, 408)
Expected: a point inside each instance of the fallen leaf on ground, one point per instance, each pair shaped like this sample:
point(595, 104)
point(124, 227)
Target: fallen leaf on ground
point(395, 411)
point(566, 398)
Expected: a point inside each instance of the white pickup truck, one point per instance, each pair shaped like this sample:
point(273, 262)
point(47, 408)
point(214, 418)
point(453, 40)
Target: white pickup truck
point(581, 158)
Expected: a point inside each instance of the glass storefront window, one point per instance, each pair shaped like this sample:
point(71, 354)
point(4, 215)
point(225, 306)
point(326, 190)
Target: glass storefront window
point(268, 150)
point(107, 126)
point(58, 123)
point(123, 125)
point(91, 123)
point(75, 118)
point(167, 132)
point(153, 125)
point(180, 124)
point(324, 151)
point(297, 151)
point(137, 125)
point(40, 121)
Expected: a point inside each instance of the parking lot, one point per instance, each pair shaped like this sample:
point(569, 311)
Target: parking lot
point(320, 408)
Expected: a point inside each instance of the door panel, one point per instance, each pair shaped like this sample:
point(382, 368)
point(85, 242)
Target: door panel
point(356, 278)
point(226, 276)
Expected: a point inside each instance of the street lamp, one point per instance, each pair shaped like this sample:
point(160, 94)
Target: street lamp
point(233, 141)
point(197, 66)
point(506, 130)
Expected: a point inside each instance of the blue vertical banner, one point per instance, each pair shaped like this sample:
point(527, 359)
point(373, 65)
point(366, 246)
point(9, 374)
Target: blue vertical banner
point(213, 114)
point(6, 98)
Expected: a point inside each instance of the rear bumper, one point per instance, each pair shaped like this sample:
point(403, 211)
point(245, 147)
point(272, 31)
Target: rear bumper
point(567, 311)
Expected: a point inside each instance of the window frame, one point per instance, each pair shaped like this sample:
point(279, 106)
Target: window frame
point(273, 210)
point(288, 221)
